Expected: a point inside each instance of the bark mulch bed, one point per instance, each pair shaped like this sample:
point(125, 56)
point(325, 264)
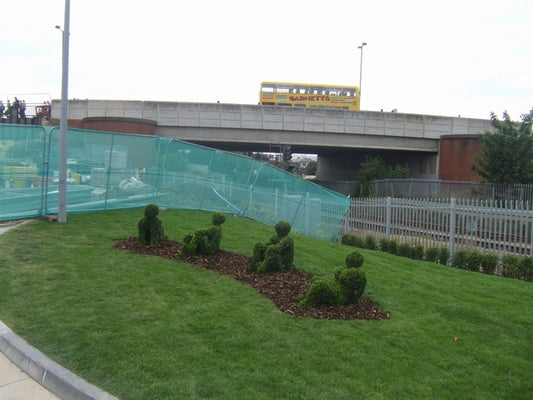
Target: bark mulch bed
point(282, 288)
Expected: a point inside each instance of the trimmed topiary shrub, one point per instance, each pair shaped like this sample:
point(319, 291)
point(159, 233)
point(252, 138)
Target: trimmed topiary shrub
point(272, 261)
point(150, 227)
point(352, 282)
point(322, 292)
point(282, 228)
point(354, 260)
point(258, 255)
point(286, 252)
point(347, 287)
point(277, 254)
point(218, 219)
point(205, 241)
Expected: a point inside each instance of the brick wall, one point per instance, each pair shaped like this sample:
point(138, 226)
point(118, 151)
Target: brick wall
point(123, 125)
point(457, 154)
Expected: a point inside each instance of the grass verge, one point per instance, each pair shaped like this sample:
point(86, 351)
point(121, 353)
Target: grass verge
point(141, 327)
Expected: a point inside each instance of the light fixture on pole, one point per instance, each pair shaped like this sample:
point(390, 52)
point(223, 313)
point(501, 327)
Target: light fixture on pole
point(62, 207)
point(361, 67)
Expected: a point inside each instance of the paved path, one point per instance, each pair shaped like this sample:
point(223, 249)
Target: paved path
point(17, 385)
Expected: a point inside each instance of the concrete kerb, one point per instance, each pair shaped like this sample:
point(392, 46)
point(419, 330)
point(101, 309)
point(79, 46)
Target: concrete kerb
point(58, 380)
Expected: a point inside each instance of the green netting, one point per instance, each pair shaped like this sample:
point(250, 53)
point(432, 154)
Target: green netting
point(108, 170)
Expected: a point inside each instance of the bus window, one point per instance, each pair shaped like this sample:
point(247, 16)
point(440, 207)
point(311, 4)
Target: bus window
point(348, 92)
point(334, 92)
point(267, 88)
point(300, 89)
point(317, 90)
point(283, 89)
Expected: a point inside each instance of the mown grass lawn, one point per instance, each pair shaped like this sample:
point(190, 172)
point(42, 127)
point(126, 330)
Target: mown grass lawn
point(142, 327)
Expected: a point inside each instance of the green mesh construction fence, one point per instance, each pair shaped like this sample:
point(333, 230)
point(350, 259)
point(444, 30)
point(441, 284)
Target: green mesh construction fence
point(108, 171)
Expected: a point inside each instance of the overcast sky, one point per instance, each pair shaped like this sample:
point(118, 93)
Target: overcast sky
point(448, 58)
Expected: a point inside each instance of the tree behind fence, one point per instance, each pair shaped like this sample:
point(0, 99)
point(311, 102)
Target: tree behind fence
point(499, 227)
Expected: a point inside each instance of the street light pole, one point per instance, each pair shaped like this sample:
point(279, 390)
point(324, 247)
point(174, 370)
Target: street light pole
point(361, 67)
point(63, 122)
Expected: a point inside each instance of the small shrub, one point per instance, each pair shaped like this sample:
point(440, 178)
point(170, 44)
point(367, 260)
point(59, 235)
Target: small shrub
point(346, 239)
point(352, 240)
point(404, 250)
point(392, 247)
point(444, 255)
point(511, 266)
point(474, 261)
point(525, 269)
point(322, 292)
point(489, 263)
point(354, 260)
point(150, 227)
point(352, 282)
point(432, 254)
point(384, 244)
point(417, 252)
point(460, 259)
point(370, 243)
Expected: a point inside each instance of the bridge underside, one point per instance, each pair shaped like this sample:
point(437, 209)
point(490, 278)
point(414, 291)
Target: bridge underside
point(339, 157)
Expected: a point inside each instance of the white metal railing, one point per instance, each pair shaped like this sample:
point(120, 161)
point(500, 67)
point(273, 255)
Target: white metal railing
point(435, 189)
point(499, 227)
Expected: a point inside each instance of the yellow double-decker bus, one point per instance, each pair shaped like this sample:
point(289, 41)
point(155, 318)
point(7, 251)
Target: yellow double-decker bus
point(309, 95)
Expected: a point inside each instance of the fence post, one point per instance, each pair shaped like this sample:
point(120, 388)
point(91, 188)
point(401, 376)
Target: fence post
point(276, 202)
point(453, 218)
point(388, 218)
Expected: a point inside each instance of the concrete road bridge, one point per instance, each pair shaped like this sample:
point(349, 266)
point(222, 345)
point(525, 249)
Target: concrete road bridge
point(341, 139)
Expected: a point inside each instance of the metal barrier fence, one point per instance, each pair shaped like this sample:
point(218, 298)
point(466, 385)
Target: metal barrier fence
point(437, 189)
point(499, 227)
point(117, 171)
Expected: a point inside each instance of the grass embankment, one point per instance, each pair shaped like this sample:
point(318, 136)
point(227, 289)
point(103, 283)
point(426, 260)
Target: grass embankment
point(142, 327)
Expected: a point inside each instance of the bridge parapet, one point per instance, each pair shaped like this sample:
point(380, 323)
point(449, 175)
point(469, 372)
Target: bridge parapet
point(271, 118)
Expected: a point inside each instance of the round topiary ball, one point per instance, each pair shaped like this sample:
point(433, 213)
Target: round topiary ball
point(354, 260)
point(151, 211)
point(218, 219)
point(282, 228)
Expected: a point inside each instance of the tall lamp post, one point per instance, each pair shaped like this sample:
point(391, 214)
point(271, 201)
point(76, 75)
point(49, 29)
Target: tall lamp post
point(63, 122)
point(361, 66)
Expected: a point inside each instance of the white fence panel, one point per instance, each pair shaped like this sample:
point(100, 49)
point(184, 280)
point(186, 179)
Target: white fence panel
point(499, 227)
